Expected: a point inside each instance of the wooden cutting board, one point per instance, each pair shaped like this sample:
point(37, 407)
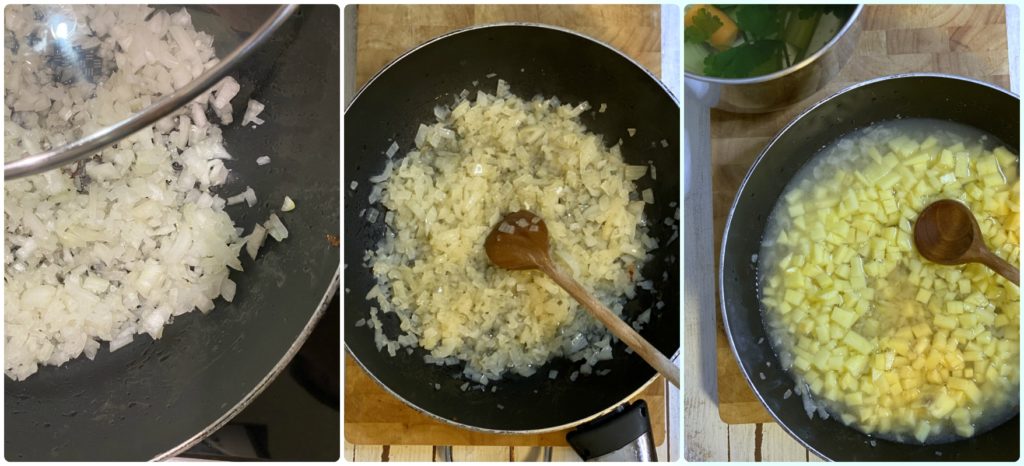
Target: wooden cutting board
point(383, 33)
point(968, 40)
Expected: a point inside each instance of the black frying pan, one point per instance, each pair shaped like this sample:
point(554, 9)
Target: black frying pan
point(973, 103)
point(155, 398)
point(533, 59)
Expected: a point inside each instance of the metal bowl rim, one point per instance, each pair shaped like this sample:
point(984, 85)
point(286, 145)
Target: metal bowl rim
point(792, 68)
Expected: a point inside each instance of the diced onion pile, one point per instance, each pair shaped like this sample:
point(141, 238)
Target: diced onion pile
point(874, 334)
point(482, 159)
point(123, 242)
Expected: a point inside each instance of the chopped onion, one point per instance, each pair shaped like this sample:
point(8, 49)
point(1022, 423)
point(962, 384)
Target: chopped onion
point(262, 160)
point(251, 111)
point(288, 205)
point(250, 196)
point(255, 240)
point(275, 228)
point(226, 91)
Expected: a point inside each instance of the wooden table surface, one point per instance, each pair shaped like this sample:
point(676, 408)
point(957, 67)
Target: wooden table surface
point(969, 40)
point(383, 32)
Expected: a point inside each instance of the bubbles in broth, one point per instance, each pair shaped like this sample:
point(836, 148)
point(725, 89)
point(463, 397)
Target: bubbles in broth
point(873, 334)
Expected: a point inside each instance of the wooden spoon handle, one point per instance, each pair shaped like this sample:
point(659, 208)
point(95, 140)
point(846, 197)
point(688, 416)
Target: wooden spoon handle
point(1000, 266)
point(619, 328)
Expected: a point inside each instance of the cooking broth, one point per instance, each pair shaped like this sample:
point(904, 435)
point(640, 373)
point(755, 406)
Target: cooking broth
point(874, 335)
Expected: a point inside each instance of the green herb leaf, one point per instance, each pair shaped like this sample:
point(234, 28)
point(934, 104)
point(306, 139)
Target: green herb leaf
point(746, 60)
point(808, 11)
point(759, 21)
point(704, 25)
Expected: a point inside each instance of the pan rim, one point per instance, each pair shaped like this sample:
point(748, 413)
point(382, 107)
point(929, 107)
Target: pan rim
point(675, 356)
point(321, 308)
point(501, 24)
point(732, 210)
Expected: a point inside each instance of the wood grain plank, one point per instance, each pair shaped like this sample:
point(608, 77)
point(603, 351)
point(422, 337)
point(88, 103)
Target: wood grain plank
point(349, 451)
point(742, 442)
point(984, 63)
point(411, 453)
point(777, 445)
point(478, 453)
point(924, 40)
point(527, 453)
point(368, 453)
point(871, 43)
point(564, 454)
point(705, 437)
point(978, 38)
point(661, 452)
point(930, 16)
point(386, 31)
point(673, 432)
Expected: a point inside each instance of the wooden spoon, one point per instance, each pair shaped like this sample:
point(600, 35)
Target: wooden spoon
point(520, 242)
point(947, 233)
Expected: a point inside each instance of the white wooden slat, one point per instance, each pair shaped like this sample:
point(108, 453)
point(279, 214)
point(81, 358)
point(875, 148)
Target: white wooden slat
point(564, 454)
point(349, 452)
point(742, 442)
point(410, 453)
point(465, 453)
point(706, 437)
point(368, 453)
point(527, 454)
point(674, 428)
point(777, 445)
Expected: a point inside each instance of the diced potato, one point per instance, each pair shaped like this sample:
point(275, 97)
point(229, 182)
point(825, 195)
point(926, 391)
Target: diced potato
point(897, 343)
point(857, 342)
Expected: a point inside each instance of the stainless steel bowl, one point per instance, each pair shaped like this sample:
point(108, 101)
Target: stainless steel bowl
point(782, 88)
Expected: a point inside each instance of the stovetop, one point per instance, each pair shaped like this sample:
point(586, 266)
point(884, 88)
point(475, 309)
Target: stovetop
point(297, 417)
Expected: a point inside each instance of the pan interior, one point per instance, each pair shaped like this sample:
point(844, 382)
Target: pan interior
point(533, 60)
point(916, 96)
point(151, 397)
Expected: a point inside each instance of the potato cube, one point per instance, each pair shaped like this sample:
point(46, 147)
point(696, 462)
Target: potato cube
point(858, 342)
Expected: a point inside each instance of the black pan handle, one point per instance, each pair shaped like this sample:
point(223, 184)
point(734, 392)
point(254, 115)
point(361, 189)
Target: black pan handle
point(623, 435)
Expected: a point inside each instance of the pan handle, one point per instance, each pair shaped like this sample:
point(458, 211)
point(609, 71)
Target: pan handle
point(623, 435)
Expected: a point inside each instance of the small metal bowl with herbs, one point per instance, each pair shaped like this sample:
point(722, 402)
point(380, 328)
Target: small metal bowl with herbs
point(761, 58)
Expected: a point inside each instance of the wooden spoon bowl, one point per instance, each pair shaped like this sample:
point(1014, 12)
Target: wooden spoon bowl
point(947, 233)
point(520, 242)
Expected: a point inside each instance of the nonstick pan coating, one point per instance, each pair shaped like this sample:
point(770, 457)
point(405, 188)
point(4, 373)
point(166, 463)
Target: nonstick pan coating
point(153, 398)
point(926, 96)
point(532, 59)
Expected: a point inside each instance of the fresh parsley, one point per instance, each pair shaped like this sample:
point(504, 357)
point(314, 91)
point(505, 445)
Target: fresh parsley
point(742, 61)
point(704, 26)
